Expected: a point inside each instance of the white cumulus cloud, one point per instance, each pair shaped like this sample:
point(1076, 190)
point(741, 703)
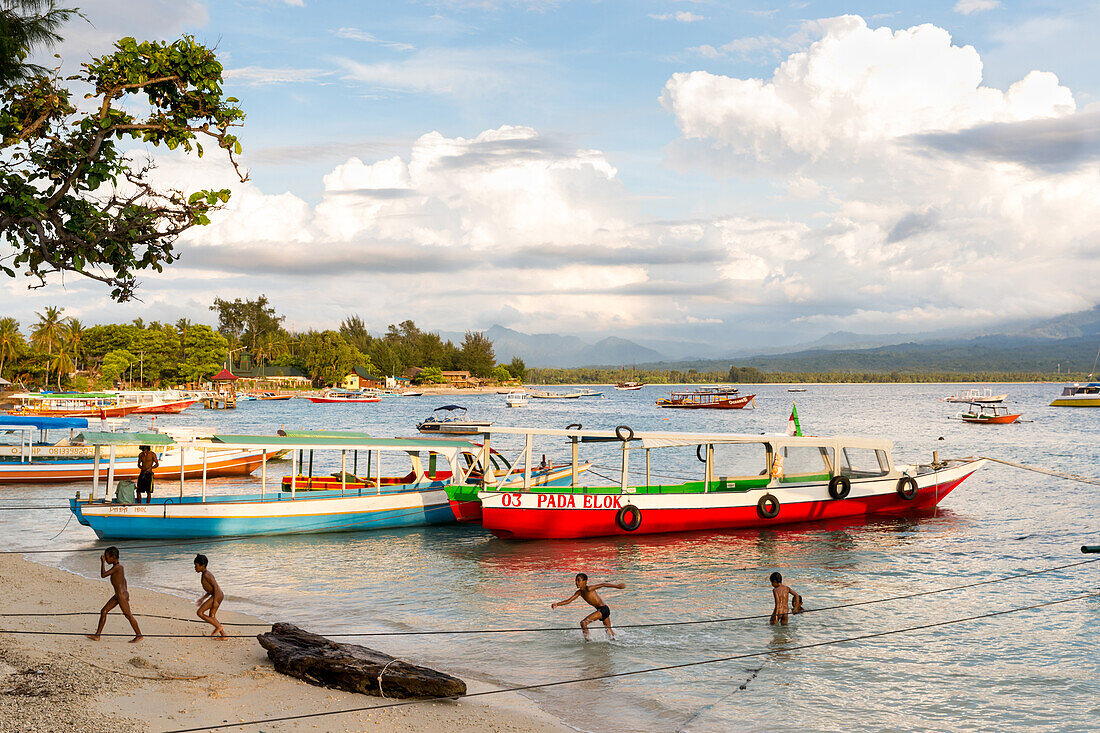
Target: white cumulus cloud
point(969, 7)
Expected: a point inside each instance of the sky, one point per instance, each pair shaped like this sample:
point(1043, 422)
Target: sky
point(749, 174)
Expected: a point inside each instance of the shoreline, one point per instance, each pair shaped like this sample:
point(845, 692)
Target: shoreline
point(70, 683)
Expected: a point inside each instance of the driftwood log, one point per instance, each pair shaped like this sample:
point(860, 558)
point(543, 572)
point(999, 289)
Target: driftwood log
point(326, 663)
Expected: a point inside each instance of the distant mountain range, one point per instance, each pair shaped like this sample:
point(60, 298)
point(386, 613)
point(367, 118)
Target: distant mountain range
point(1070, 341)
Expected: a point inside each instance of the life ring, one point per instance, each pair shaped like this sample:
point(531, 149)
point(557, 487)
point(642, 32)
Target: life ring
point(839, 486)
point(767, 507)
point(629, 431)
point(907, 488)
point(634, 521)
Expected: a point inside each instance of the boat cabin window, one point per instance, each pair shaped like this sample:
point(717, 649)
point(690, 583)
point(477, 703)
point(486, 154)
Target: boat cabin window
point(739, 465)
point(863, 463)
point(807, 463)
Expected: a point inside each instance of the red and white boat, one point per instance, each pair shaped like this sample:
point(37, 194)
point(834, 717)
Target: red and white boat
point(342, 396)
point(157, 402)
point(742, 481)
point(986, 414)
point(710, 398)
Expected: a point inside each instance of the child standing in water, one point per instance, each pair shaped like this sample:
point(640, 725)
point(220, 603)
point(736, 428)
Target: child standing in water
point(588, 593)
point(782, 595)
point(211, 598)
point(121, 598)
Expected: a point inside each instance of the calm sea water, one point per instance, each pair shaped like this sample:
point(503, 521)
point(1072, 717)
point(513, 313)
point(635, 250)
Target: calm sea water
point(1037, 669)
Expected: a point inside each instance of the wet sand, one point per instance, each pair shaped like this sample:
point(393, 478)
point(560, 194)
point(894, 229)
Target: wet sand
point(69, 683)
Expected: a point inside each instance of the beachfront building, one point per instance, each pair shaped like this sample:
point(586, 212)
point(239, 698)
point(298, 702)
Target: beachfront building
point(360, 378)
point(269, 377)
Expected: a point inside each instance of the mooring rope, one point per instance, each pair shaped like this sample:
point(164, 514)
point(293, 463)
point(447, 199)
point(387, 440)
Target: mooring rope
point(635, 672)
point(1047, 471)
point(655, 624)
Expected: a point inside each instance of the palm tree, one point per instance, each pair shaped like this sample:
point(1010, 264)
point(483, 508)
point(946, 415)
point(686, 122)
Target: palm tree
point(47, 332)
point(63, 364)
point(74, 339)
point(11, 341)
point(27, 26)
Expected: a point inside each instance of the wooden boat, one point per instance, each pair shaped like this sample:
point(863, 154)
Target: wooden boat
point(796, 389)
point(628, 386)
point(72, 404)
point(1079, 395)
point(587, 392)
point(451, 420)
point(334, 396)
point(417, 500)
point(985, 414)
point(543, 395)
point(742, 481)
point(984, 396)
point(77, 460)
point(715, 398)
point(157, 402)
point(517, 398)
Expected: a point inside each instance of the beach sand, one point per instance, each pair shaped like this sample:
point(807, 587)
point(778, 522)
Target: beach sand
point(69, 683)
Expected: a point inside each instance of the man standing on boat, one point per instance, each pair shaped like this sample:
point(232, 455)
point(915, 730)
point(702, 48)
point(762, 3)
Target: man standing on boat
point(147, 461)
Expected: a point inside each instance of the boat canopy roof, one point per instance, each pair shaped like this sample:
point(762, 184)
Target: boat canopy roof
point(346, 443)
point(324, 434)
point(448, 408)
point(642, 439)
point(42, 423)
point(98, 438)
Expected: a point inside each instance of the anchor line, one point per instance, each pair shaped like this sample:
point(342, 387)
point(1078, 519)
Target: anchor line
point(1047, 471)
point(647, 670)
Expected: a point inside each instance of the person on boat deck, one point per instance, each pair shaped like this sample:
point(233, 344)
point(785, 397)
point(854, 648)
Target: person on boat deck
point(782, 594)
point(545, 464)
point(121, 598)
point(211, 599)
point(588, 593)
point(147, 461)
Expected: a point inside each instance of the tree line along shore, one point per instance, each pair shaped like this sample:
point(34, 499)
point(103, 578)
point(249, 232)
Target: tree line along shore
point(64, 353)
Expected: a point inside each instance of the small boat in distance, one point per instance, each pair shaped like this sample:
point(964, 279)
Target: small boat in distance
point(518, 398)
point(628, 386)
point(1079, 395)
point(796, 389)
point(587, 392)
point(710, 398)
point(983, 413)
point(983, 396)
point(452, 421)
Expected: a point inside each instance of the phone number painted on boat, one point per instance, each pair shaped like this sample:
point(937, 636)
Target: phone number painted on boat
point(54, 450)
point(564, 501)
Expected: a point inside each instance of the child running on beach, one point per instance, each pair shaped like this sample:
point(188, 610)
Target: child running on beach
point(782, 594)
point(121, 598)
point(211, 599)
point(588, 593)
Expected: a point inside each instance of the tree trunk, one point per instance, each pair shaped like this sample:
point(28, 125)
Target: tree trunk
point(351, 667)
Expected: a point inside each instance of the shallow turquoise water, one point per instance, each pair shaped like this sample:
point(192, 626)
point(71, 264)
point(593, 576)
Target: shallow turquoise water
point(1036, 669)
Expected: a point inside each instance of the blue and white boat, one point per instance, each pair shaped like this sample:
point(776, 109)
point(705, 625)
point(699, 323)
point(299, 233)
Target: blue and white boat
point(279, 508)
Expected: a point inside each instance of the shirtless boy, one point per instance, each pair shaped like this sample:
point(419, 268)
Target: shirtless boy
point(211, 599)
point(588, 593)
point(121, 598)
point(782, 594)
point(147, 461)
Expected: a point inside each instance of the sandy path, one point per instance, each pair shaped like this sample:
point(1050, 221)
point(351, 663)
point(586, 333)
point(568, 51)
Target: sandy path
point(68, 683)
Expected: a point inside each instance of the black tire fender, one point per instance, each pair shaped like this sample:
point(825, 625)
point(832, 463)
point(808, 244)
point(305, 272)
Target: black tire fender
point(907, 488)
point(768, 507)
point(840, 487)
point(624, 433)
point(629, 518)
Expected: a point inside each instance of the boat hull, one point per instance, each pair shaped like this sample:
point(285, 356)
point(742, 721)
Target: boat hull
point(336, 400)
point(101, 412)
point(996, 420)
point(547, 515)
point(734, 403)
point(278, 515)
point(1090, 401)
point(166, 408)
